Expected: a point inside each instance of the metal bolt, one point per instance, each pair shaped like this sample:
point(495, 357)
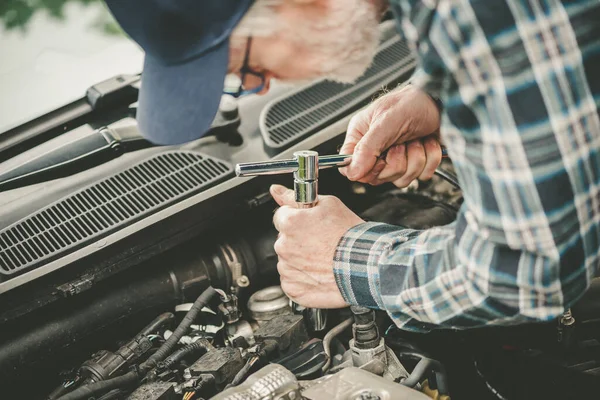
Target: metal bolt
point(567, 318)
point(243, 281)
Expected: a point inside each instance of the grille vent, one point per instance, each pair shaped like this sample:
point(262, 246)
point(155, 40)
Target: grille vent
point(106, 206)
point(302, 113)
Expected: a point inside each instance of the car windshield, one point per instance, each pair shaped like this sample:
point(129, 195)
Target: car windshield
point(53, 50)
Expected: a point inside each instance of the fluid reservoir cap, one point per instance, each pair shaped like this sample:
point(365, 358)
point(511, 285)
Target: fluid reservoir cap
point(267, 303)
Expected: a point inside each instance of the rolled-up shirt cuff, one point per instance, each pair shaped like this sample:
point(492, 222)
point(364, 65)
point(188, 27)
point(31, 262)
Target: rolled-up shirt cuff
point(356, 262)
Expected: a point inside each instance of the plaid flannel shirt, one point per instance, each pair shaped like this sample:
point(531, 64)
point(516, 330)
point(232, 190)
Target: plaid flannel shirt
point(520, 84)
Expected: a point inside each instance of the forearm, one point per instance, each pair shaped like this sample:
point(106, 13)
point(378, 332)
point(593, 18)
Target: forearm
point(448, 277)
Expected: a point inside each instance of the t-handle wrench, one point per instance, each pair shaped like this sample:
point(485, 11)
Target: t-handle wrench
point(305, 167)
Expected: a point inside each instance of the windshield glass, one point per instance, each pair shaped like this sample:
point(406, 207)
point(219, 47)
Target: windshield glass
point(53, 50)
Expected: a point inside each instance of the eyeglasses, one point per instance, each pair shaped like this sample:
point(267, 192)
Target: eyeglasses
point(244, 72)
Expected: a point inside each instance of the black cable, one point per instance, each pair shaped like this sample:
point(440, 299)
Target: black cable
point(183, 352)
point(112, 395)
point(242, 372)
point(448, 177)
point(163, 352)
point(168, 346)
point(412, 354)
point(94, 389)
point(487, 383)
point(268, 348)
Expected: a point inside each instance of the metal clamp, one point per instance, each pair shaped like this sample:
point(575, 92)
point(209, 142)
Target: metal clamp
point(305, 166)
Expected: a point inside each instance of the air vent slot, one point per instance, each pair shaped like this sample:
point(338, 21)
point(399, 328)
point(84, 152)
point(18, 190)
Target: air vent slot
point(107, 206)
point(297, 115)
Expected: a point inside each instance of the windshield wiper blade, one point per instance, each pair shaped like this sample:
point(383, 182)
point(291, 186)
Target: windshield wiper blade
point(76, 156)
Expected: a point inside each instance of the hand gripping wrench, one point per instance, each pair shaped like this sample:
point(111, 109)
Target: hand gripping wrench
point(305, 167)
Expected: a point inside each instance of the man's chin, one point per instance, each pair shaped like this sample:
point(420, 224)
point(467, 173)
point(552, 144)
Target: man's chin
point(353, 60)
point(343, 78)
point(340, 77)
point(351, 72)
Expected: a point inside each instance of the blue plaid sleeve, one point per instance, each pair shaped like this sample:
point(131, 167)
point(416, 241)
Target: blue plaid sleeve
point(520, 83)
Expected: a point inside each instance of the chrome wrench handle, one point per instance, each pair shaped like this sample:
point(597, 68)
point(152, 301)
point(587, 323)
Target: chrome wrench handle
point(305, 168)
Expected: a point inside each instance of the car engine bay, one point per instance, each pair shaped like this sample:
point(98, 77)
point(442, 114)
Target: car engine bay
point(153, 275)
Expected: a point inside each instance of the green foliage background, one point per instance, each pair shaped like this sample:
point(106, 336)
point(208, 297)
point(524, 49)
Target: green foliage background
point(17, 14)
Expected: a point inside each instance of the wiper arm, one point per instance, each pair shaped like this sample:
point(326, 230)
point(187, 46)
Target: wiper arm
point(75, 156)
point(101, 146)
point(110, 94)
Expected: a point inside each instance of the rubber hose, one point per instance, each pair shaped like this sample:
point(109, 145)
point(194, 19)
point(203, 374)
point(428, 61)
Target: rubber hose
point(437, 366)
point(418, 372)
point(442, 382)
point(136, 375)
point(336, 330)
point(157, 323)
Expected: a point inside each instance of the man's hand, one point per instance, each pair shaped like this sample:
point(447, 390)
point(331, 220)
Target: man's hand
point(306, 246)
point(406, 122)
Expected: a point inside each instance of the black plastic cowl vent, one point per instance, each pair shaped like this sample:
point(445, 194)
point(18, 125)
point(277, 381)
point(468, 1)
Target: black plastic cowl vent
point(299, 114)
point(107, 206)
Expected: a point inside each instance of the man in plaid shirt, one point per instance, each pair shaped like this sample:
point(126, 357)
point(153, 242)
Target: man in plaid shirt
point(520, 87)
point(519, 81)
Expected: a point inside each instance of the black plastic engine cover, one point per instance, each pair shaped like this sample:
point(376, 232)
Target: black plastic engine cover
point(410, 210)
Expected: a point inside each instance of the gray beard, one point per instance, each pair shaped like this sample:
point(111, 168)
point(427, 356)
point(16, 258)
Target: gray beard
point(344, 41)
